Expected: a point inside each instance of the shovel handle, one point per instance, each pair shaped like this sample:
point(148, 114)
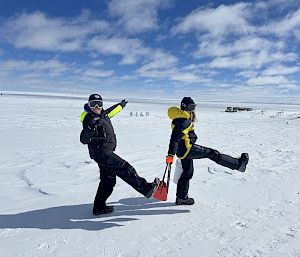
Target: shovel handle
point(168, 168)
point(163, 179)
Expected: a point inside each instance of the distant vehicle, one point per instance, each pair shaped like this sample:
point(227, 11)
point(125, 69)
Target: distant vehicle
point(236, 109)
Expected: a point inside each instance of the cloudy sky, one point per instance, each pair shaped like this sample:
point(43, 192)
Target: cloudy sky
point(151, 46)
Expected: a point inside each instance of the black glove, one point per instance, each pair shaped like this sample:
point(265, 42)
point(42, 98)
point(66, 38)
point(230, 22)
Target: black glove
point(123, 103)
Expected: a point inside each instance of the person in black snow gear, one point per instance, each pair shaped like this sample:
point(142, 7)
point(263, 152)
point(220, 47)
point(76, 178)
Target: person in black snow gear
point(99, 135)
point(182, 143)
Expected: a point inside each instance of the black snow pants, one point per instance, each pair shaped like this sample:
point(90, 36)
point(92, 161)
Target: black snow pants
point(111, 167)
point(200, 152)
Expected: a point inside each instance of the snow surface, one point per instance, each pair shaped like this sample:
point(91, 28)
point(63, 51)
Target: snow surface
point(48, 182)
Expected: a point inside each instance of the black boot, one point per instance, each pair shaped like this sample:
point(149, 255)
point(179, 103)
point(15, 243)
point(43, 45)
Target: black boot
point(103, 210)
point(154, 186)
point(185, 201)
point(243, 161)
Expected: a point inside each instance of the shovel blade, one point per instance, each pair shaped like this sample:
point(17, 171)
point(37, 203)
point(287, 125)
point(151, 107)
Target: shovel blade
point(162, 192)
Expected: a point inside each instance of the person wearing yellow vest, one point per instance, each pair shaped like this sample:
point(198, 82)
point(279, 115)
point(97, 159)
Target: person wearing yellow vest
point(183, 144)
point(98, 134)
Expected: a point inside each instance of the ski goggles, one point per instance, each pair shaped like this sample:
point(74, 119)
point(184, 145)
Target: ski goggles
point(95, 103)
point(189, 107)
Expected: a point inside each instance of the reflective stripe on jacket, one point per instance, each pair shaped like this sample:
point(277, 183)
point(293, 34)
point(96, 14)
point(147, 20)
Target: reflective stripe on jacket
point(101, 139)
point(183, 135)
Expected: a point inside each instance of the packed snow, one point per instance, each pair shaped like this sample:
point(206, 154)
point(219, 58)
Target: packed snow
point(48, 183)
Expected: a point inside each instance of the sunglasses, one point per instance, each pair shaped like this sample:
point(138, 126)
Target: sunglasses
point(189, 107)
point(95, 103)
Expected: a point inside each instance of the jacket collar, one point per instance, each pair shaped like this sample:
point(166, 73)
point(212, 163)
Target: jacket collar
point(175, 113)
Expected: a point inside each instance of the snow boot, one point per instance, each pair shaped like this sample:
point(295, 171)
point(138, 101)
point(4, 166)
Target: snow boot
point(185, 201)
point(104, 210)
point(154, 186)
point(243, 161)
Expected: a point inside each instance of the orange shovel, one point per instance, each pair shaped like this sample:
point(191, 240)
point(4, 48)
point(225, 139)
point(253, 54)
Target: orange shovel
point(161, 192)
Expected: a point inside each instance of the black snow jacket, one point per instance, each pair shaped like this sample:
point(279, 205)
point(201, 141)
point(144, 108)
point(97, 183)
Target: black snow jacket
point(183, 134)
point(98, 132)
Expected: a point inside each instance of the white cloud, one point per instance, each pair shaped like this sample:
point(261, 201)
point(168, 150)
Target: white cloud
point(48, 74)
point(251, 48)
point(187, 77)
point(288, 87)
point(98, 73)
point(130, 49)
point(133, 51)
point(280, 70)
point(249, 59)
point(268, 80)
point(164, 67)
point(53, 67)
point(137, 16)
point(224, 19)
point(211, 47)
point(173, 74)
point(290, 24)
point(247, 74)
point(38, 31)
point(160, 60)
point(97, 63)
point(271, 5)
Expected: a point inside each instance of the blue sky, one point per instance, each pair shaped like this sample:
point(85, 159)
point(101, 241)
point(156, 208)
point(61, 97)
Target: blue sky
point(151, 47)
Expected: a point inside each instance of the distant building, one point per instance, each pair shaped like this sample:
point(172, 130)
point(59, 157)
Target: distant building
point(139, 114)
point(236, 109)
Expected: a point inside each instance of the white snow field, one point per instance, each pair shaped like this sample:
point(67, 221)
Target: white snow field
point(48, 183)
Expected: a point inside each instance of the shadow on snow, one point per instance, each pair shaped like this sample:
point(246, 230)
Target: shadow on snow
point(80, 217)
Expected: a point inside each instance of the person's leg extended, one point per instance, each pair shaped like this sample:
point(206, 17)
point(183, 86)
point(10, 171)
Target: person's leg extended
point(126, 172)
point(199, 152)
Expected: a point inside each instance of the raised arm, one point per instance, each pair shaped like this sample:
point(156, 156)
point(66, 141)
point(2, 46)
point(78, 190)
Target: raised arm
point(113, 110)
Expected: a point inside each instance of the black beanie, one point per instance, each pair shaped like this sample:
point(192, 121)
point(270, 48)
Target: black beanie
point(187, 104)
point(94, 97)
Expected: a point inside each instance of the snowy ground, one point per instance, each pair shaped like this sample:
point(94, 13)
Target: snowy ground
point(48, 182)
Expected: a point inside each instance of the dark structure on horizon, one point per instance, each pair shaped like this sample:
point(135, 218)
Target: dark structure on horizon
point(236, 109)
